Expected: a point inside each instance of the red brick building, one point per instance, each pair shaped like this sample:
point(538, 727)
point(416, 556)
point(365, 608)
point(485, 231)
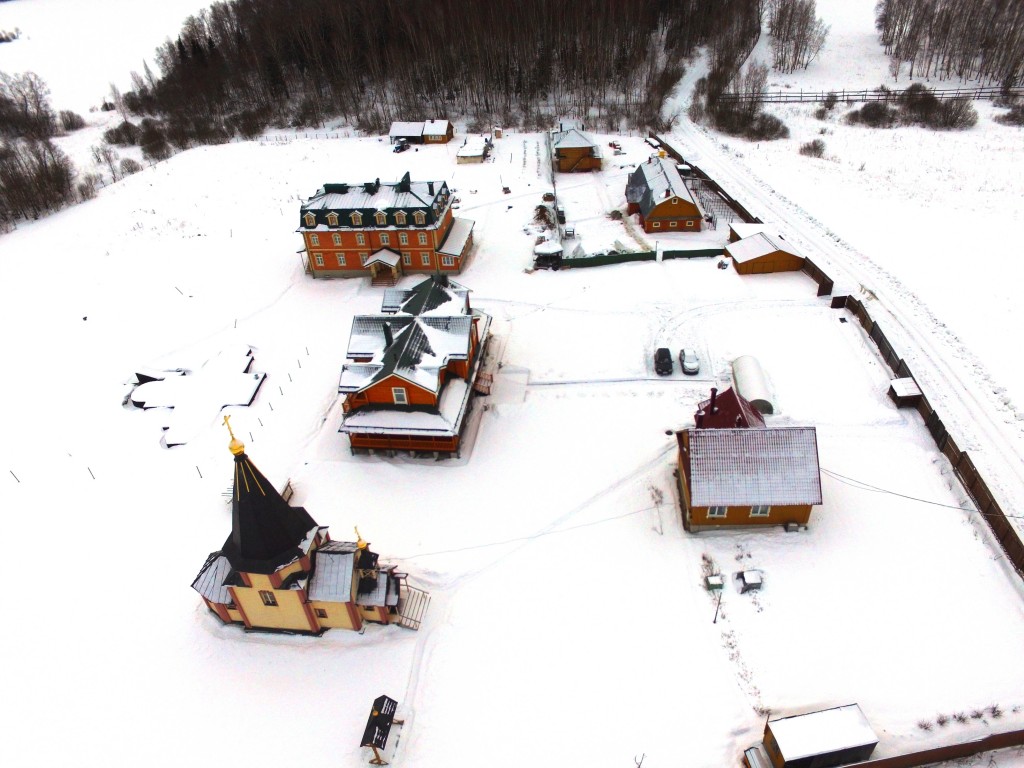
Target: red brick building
point(383, 230)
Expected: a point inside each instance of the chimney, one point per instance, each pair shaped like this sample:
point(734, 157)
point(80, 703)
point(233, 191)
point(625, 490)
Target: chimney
point(700, 419)
point(376, 186)
point(430, 188)
point(739, 420)
point(714, 391)
point(388, 338)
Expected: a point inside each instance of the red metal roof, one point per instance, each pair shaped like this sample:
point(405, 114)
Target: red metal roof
point(730, 410)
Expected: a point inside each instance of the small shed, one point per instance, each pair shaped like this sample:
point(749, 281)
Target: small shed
point(905, 392)
point(547, 254)
point(763, 253)
point(474, 150)
point(410, 132)
point(751, 383)
point(823, 739)
point(378, 727)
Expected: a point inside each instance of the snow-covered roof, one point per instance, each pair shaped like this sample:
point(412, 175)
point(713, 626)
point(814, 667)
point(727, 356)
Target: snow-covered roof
point(654, 181)
point(438, 294)
point(746, 467)
point(571, 139)
point(905, 387)
point(548, 248)
point(475, 146)
point(816, 733)
point(755, 246)
point(385, 593)
point(458, 234)
point(435, 127)
point(210, 581)
point(420, 349)
point(384, 256)
point(399, 128)
point(332, 577)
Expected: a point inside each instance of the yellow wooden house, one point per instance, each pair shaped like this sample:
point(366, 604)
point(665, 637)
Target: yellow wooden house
point(280, 571)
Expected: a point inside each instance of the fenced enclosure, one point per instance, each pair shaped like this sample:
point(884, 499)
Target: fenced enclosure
point(849, 97)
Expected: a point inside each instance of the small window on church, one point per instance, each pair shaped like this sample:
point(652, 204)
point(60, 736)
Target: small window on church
point(268, 597)
point(321, 613)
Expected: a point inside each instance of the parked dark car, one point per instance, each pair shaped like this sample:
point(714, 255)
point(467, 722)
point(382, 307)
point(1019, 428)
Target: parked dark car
point(401, 146)
point(663, 361)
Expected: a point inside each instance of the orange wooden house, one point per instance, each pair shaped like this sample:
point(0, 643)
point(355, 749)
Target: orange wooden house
point(411, 370)
point(762, 253)
point(748, 476)
point(573, 150)
point(280, 571)
point(656, 192)
point(383, 230)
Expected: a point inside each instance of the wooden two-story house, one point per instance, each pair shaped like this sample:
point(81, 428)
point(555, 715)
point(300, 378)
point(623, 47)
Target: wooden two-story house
point(411, 370)
point(656, 192)
point(573, 151)
point(383, 230)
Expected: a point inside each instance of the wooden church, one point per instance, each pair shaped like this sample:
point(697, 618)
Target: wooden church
point(280, 571)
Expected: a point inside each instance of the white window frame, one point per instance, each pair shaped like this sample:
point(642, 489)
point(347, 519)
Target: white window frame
point(399, 395)
point(381, 218)
point(448, 261)
point(319, 259)
point(360, 238)
point(760, 510)
point(314, 239)
point(385, 238)
point(655, 225)
point(423, 238)
point(336, 238)
point(689, 223)
point(406, 258)
point(341, 260)
point(717, 513)
point(356, 217)
point(363, 258)
point(673, 224)
point(403, 238)
point(310, 220)
point(425, 260)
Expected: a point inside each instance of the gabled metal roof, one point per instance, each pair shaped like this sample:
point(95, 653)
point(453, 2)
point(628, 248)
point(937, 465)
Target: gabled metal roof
point(746, 467)
point(332, 576)
point(434, 292)
point(655, 181)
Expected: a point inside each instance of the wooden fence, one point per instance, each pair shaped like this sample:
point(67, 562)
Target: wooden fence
point(601, 259)
point(964, 749)
point(972, 481)
point(943, 94)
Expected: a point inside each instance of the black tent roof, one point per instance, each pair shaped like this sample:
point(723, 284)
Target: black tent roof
point(265, 531)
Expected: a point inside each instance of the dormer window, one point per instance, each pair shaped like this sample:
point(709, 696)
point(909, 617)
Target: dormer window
point(400, 218)
point(357, 218)
point(381, 218)
point(310, 220)
point(420, 217)
point(332, 219)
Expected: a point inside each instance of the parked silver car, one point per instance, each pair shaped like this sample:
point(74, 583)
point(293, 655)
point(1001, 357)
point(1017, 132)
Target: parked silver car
point(689, 361)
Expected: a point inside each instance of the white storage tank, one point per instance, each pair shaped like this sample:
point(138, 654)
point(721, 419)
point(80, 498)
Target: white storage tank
point(751, 384)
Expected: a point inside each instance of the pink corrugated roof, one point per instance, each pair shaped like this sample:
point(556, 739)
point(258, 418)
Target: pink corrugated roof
point(744, 467)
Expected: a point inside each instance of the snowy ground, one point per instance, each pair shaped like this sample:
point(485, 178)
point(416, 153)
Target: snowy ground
point(568, 623)
point(198, 254)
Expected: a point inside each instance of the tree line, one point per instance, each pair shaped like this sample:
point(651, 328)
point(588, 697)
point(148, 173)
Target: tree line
point(35, 175)
point(798, 35)
point(966, 39)
point(243, 65)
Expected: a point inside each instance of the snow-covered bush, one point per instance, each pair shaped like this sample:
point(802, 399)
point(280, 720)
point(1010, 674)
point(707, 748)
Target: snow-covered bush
point(1014, 117)
point(71, 121)
point(124, 135)
point(814, 148)
point(874, 114)
point(130, 166)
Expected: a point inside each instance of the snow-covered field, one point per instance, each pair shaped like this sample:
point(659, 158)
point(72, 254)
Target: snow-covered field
point(569, 624)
